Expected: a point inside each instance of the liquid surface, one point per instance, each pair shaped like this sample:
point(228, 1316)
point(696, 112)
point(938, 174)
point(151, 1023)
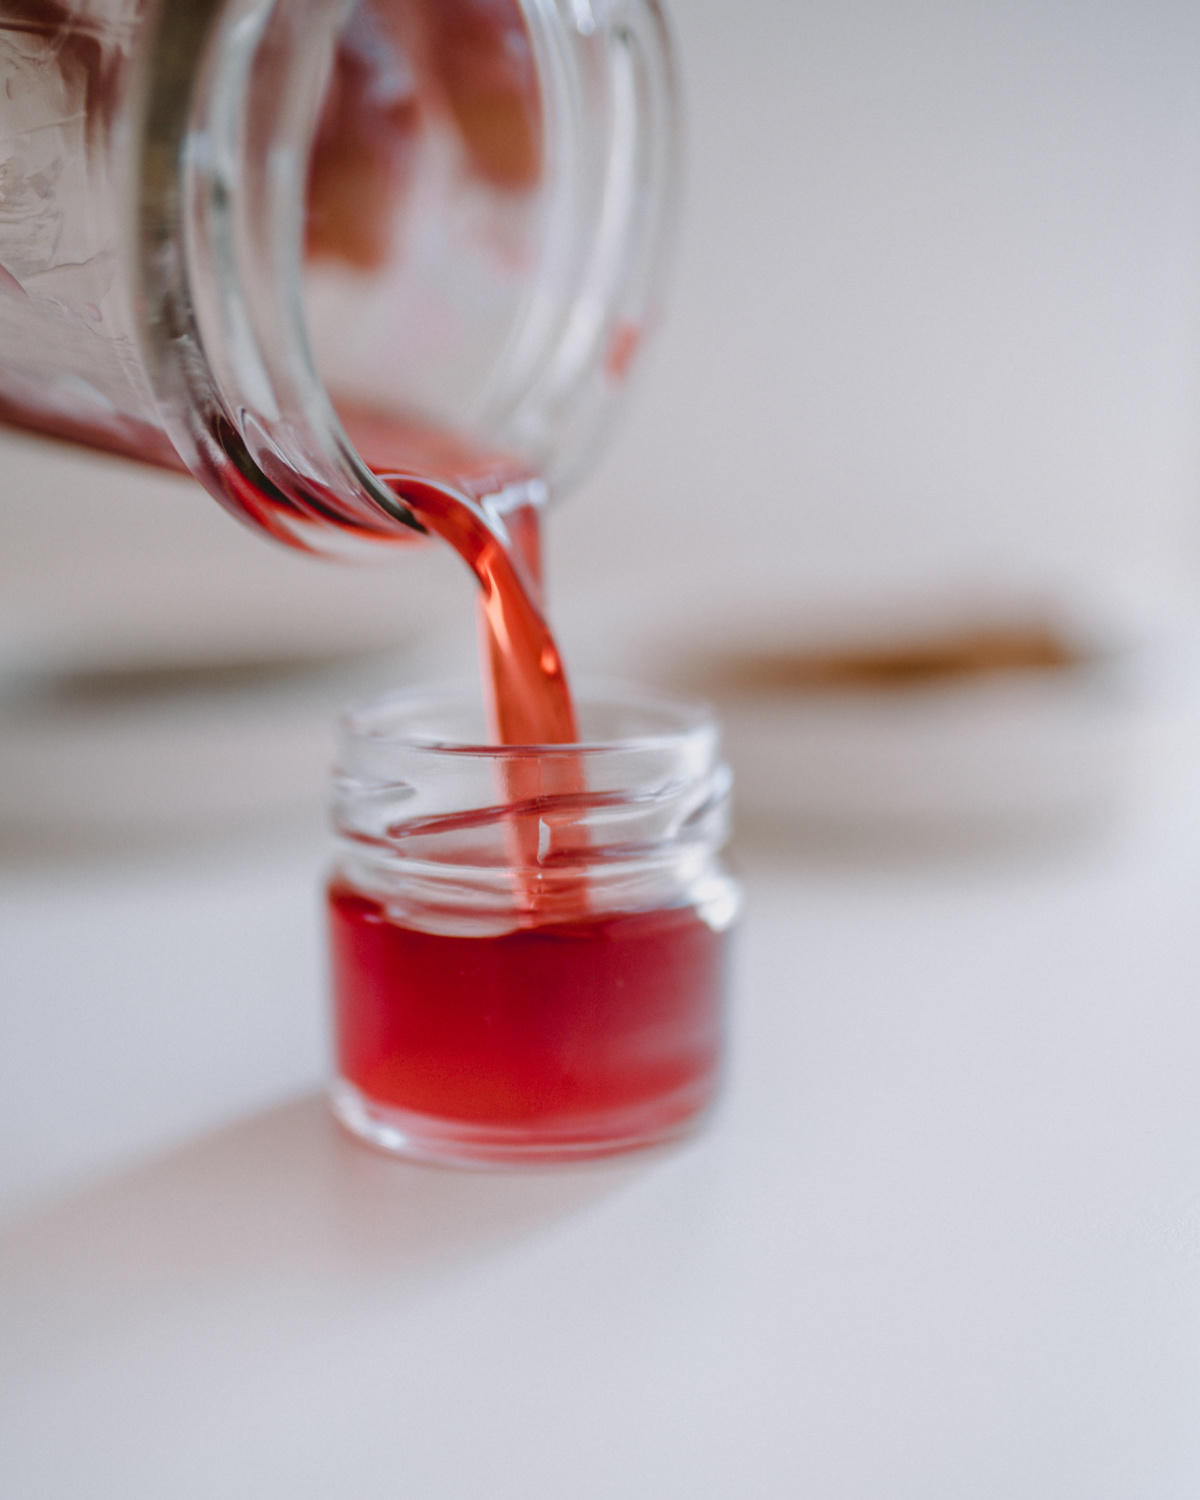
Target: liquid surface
point(568, 1028)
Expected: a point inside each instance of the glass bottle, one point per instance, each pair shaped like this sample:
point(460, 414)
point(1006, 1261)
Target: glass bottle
point(293, 246)
point(528, 944)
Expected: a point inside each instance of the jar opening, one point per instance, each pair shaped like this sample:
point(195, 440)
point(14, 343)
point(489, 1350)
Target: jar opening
point(406, 238)
point(631, 822)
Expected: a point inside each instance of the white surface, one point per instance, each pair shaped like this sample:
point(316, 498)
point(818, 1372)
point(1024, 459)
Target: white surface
point(1012, 752)
point(937, 306)
point(147, 998)
point(942, 1240)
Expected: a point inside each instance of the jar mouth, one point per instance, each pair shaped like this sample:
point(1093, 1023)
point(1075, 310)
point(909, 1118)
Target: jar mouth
point(615, 718)
point(442, 824)
point(477, 329)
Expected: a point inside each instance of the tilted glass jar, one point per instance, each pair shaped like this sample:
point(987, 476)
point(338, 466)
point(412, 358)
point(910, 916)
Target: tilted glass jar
point(291, 245)
point(528, 944)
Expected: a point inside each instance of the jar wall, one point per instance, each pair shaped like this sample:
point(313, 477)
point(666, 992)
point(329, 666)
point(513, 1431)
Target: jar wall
point(292, 247)
point(71, 356)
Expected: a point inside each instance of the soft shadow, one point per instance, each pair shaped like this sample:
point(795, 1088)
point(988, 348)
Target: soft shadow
point(283, 1197)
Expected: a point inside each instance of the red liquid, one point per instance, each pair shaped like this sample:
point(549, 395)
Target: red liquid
point(571, 1034)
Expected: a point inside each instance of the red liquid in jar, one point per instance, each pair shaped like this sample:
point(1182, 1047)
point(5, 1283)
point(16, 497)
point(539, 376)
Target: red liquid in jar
point(577, 1031)
point(606, 1029)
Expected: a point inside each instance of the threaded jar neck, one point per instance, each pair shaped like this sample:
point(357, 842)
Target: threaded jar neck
point(461, 835)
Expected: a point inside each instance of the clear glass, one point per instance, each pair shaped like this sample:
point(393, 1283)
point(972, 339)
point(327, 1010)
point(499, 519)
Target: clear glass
point(528, 944)
point(289, 246)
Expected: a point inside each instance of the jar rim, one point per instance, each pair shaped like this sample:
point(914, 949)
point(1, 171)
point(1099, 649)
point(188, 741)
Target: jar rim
point(447, 825)
point(655, 720)
point(218, 230)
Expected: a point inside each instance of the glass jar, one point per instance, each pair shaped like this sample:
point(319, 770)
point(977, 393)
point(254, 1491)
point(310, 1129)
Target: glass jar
point(293, 247)
point(529, 944)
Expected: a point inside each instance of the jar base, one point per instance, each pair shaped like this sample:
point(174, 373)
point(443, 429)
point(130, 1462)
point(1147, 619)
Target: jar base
point(458, 1143)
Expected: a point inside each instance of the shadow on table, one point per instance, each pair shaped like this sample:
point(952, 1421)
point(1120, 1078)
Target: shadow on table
point(287, 1198)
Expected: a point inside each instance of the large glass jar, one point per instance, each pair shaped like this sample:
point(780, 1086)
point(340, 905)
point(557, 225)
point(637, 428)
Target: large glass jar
point(292, 245)
point(529, 944)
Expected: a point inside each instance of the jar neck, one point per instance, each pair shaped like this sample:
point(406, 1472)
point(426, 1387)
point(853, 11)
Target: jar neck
point(231, 100)
point(473, 900)
point(230, 94)
point(551, 844)
point(448, 831)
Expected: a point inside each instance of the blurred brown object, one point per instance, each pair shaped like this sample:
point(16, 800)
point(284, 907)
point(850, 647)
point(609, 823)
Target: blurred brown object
point(966, 720)
point(362, 155)
point(966, 652)
point(398, 62)
point(482, 59)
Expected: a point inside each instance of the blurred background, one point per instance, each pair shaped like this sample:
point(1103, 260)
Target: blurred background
point(909, 483)
point(931, 364)
point(936, 303)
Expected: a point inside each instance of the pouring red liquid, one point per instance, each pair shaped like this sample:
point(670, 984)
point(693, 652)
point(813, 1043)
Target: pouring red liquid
point(573, 1031)
point(580, 1023)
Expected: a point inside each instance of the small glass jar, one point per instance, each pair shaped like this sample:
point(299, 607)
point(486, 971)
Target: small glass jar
point(529, 944)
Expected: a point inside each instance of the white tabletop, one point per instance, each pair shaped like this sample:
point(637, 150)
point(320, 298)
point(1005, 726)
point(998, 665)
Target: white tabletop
point(941, 1239)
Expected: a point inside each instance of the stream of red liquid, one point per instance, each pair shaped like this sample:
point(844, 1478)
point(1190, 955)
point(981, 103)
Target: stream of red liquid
point(526, 686)
point(574, 1032)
